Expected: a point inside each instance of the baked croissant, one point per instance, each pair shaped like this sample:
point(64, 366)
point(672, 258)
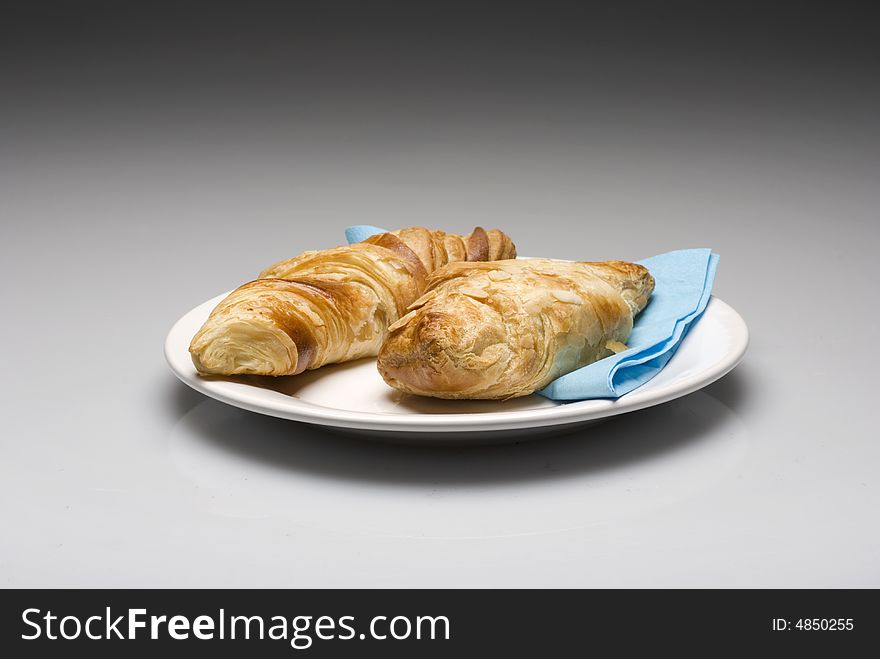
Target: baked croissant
point(333, 305)
point(509, 328)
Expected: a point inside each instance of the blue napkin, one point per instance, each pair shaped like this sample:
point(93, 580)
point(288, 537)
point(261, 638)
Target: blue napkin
point(361, 232)
point(683, 286)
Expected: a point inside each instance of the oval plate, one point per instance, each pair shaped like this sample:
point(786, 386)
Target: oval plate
point(353, 397)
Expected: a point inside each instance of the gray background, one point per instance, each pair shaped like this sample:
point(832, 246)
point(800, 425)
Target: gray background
point(150, 160)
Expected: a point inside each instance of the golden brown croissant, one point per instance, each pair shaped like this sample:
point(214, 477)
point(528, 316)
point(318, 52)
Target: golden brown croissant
point(333, 305)
point(509, 328)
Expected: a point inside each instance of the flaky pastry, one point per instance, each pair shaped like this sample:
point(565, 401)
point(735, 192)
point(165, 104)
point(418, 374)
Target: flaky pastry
point(333, 305)
point(508, 328)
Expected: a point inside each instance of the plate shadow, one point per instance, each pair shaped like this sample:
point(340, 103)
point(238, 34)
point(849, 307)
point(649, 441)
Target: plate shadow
point(629, 438)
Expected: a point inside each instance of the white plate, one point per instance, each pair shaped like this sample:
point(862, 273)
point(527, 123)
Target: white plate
point(353, 397)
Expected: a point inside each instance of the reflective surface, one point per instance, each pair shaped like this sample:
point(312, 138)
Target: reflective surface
point(576, 482)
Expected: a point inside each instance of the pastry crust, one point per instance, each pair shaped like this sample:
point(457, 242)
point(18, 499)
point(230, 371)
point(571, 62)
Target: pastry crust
point(508, 328)
point(330, 306)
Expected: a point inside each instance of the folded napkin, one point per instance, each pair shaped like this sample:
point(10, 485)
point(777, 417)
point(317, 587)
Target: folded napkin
point(681, 292)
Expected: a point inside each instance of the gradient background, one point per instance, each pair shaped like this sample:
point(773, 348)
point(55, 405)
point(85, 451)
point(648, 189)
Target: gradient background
point(153, 155)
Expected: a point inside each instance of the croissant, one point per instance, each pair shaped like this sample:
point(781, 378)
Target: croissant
point(330, 306)
point(509, 328)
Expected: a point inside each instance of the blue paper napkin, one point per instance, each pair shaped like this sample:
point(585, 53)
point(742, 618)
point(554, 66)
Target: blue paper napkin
point(683, 286)
point(361, 232)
